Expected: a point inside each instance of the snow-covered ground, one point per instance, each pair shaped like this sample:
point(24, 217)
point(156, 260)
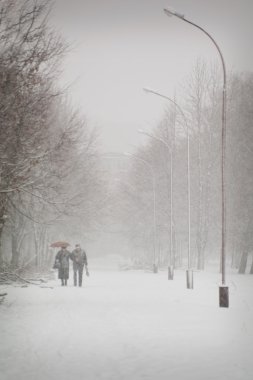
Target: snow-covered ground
point(128, 325)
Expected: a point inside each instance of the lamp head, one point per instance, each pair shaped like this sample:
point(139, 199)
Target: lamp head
point(150, 91)
point(171, 12)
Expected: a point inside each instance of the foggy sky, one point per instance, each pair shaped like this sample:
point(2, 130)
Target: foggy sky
point(121, 46)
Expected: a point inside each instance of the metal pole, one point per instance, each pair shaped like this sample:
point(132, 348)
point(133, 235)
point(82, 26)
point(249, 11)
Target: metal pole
point(172, 257)
point(171, 269)
point(224, 291)
point(189, 198)
point(189, 270)
point(154, 223)
point(170, 266)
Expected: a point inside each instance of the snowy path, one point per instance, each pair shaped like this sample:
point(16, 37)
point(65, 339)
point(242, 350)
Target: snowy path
point(128, 326)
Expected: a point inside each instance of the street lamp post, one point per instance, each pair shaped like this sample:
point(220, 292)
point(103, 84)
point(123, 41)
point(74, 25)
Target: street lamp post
point(223, 290)
point(189, 272)
point(171, 263)
point(150, 167)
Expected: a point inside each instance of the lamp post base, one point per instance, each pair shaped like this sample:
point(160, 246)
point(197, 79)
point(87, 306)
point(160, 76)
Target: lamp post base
point(224, 296)
point(170, 272)
point(189, 279)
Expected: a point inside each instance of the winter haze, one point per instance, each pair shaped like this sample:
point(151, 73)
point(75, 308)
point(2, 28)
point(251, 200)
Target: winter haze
point(122, 46)
point(126, 244)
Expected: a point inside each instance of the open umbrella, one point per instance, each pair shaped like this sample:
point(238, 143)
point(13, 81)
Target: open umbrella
point(60, 244)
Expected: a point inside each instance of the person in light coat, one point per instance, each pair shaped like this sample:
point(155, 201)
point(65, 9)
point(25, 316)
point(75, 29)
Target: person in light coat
point(79, 258)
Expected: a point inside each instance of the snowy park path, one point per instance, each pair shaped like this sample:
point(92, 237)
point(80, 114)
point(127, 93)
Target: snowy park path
point(128, 326)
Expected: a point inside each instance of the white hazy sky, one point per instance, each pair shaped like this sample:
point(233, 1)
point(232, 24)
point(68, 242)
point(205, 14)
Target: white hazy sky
point(121, 46)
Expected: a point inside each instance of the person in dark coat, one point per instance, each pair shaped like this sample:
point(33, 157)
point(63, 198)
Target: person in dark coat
point(79, 259)
point(62, 264)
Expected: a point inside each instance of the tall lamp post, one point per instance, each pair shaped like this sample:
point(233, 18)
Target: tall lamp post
point(170, 264)
point(223, 290)
point(150, 168)
point(189, 272)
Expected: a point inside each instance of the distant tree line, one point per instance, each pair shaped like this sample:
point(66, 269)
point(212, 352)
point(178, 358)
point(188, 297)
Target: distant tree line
point(52, 183)
point(200, 102)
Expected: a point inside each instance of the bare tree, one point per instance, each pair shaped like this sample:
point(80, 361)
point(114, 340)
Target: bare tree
point(240, 149)
point(48, 162)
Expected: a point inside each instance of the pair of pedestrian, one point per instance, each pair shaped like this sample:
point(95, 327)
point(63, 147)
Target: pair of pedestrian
point(79, 258)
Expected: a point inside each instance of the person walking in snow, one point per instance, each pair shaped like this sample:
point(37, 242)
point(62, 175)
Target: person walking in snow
point(79, 258)
point(62, 264)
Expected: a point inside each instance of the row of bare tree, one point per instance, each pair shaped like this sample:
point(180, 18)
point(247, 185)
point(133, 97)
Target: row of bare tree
point(199, 110)
point(49, 169)
point(52, 183)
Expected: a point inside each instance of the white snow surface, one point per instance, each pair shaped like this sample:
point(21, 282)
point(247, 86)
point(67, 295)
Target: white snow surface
point(128, 325)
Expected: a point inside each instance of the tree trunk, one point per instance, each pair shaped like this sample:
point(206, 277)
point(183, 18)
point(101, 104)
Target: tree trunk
point(233, 258)
point(14, 251)
point(2, 221)
point(251, 269)
point(243, 262)
point(1, 252)
point(201, 260)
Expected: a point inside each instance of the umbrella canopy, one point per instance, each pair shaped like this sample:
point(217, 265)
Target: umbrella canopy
point(60, 244)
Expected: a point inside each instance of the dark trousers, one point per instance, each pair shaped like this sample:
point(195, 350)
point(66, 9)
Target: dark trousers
point(78, 269)
point(64, 275)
